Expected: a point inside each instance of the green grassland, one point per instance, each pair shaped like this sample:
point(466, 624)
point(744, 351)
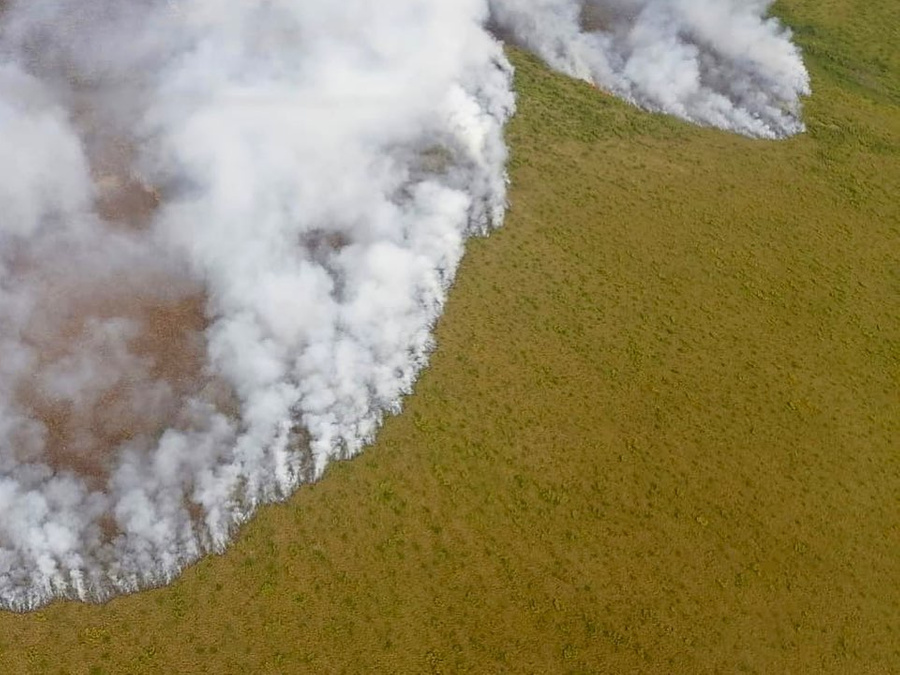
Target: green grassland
point(660, 433)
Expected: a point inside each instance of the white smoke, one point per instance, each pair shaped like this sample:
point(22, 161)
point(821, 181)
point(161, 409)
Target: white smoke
point(227, 229)
point(712, 62)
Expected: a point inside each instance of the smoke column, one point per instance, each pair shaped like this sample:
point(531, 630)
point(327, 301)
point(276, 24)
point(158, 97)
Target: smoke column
point(227, 229)
point(712, 62)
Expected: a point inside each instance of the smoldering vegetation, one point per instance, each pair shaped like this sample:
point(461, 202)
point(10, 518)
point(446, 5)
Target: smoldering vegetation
point(227, 229)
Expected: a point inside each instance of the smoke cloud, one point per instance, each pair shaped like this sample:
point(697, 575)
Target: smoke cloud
point(712, 62)
point(227, 229)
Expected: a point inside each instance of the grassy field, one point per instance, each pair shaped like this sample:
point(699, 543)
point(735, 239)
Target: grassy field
point(661, 431)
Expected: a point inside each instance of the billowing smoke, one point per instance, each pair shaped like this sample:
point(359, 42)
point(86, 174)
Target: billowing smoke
point(227, 229)
point(713, 62)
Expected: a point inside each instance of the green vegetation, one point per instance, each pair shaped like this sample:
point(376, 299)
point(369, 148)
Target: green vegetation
point(661, 431)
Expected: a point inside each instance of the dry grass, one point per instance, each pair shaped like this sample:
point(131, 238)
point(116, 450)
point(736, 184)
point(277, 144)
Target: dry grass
point(660, 432)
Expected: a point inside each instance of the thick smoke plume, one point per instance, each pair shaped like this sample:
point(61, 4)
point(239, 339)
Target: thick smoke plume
point(227, 229)
point(713, 62)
